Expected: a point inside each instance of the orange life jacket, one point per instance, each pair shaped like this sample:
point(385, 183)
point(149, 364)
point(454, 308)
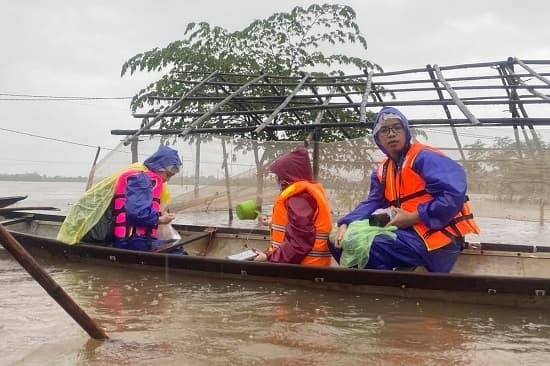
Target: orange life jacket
point(319, 254)
point(122, 229)
point(407, 189)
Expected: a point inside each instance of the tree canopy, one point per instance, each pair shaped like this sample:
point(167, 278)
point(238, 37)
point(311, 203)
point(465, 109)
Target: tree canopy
point(304, 40)
point(283, 44)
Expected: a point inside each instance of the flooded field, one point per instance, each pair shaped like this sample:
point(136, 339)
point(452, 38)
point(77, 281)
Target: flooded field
point(190, 319)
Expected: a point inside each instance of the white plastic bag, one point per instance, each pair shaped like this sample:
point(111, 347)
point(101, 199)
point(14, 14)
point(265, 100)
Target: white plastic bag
point(168, 233)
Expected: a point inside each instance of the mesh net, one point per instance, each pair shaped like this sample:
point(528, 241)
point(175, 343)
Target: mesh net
point(507, 169)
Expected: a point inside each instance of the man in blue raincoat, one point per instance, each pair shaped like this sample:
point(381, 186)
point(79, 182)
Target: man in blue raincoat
point(425, 192)
point(137, 201)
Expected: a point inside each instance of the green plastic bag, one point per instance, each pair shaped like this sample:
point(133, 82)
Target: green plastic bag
point(357, 241)
point(87, 211)
point(90, 207)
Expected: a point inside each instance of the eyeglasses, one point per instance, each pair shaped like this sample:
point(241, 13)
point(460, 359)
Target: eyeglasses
point(170, 170)
point(174, 169)
point(385, 131)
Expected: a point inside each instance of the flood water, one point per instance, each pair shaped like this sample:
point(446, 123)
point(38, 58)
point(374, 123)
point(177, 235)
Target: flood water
point(191, 319)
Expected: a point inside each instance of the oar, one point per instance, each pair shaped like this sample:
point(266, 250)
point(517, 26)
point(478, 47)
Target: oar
point(49, 284)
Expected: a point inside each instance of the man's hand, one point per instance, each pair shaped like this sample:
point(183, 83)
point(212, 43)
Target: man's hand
point(340, 235)
point(166, 218)
point(403, 219)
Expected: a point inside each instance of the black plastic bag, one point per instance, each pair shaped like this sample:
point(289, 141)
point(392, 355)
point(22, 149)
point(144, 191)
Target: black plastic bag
point(102, 232)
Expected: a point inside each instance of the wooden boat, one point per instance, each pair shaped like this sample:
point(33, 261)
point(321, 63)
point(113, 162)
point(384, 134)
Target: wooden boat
point(486, 273)
point(7, 201)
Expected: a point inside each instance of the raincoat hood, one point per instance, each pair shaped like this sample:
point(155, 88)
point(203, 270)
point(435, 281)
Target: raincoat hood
point(163, 159)
point(293, 166)
point(380, 117)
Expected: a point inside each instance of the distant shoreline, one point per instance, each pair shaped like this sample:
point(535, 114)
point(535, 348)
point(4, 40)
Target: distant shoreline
point(35, 177)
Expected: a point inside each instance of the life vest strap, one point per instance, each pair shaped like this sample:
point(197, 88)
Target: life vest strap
point(397, 202)
point(451, 225)
point(463, 218)
point(118, 211)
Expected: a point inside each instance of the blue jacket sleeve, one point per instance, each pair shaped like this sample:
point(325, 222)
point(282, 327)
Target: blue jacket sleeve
point(446, 182)
point(374, 200)
point(139, 202)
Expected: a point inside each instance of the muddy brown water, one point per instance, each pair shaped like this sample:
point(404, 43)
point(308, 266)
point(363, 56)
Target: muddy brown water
point(189, 319)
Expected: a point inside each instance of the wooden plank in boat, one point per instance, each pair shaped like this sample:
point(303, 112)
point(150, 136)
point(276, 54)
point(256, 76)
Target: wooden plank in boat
point(16, 220)
point(183, 241)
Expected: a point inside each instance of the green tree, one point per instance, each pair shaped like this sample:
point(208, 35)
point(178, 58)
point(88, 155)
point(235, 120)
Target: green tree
point(478, 164)
point(518, 171)
point(284, 44)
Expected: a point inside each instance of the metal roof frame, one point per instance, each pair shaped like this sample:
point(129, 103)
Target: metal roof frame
point(256, 103)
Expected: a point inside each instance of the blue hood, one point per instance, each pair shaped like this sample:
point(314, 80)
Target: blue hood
point(164, 157)
point(404, 122)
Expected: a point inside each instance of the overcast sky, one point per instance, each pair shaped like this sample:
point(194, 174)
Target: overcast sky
point(77, 48)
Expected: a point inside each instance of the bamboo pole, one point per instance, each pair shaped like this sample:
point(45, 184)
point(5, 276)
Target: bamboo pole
point(211, 111)
point(317, 136)
point(282, 105)
point(159, 116)
point(313, 107)
point(459, 103)
point(92, 170)
point(365, 99)
point(445, 109)
point(52, 288)
point(227, 183)
point(531, 71)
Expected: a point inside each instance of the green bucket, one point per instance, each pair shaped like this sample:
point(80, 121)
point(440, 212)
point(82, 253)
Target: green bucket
point(246, 210)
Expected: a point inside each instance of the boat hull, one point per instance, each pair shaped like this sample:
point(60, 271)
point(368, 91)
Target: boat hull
point(208, 258)
point(7, 201)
